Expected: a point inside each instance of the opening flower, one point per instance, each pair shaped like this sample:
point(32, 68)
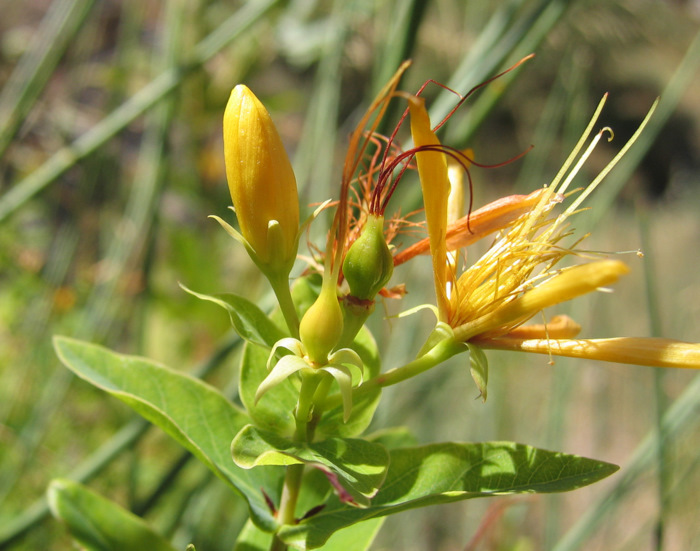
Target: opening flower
point(487, 305)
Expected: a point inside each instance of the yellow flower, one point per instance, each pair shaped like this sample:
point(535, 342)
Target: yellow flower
point(261, 181)
point(487, 305)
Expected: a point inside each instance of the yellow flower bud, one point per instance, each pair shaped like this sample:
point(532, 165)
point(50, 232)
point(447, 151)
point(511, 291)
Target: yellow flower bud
point(261, 180)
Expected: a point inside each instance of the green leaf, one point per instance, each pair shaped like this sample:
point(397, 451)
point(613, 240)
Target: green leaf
point(356, 468)
point(357, 537)
point(393, 437)
point(251, 538)
point(195, 414)
point(479, 367)
point(97, 523)
point(448, 472)
point(249, 321)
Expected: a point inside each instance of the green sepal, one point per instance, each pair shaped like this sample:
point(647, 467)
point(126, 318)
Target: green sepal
point(479, 367)
point(284, 368)
point(334, 421)
point(441, 332)
point(273, 410)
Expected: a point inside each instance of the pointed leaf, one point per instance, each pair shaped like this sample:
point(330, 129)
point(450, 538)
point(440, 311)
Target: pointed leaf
point(194, 413)
point(479, 367)
point(99, 524)
point(249, 321)
point(359, 466)
point(448, 472)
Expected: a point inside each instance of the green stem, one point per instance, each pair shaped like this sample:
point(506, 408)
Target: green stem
point(280, 286)
point(354, 317)
point(441, 352)
point(293, 477)
point(309, 384)
point(319, 404)
point(288, 503)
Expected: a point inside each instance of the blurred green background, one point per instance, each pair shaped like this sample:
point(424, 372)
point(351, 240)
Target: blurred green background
point(111, 159)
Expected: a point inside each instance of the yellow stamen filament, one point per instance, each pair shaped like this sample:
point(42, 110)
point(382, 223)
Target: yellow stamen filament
point(566, 285)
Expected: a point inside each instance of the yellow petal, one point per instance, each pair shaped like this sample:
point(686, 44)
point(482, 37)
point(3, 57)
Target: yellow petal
point(570, 283)
point(627, 350)
point(559, 327)
point(432, 170)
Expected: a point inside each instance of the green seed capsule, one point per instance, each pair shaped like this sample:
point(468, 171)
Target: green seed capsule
point(368, 264)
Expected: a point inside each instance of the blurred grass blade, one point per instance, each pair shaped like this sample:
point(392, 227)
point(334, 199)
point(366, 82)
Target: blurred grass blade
point(315, 159)
point(505, 31)
point(98, 523)
point(134, 230)
point(400, 40)
point(125, 439)
point(116, 121)
point(522, 40)
point(685, 74)
point(681, 416)
point(125, 246)
point(62, 21)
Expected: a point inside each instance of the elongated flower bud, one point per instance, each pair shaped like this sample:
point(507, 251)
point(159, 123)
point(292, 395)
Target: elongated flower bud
point(261, 180)
point(368, 264)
